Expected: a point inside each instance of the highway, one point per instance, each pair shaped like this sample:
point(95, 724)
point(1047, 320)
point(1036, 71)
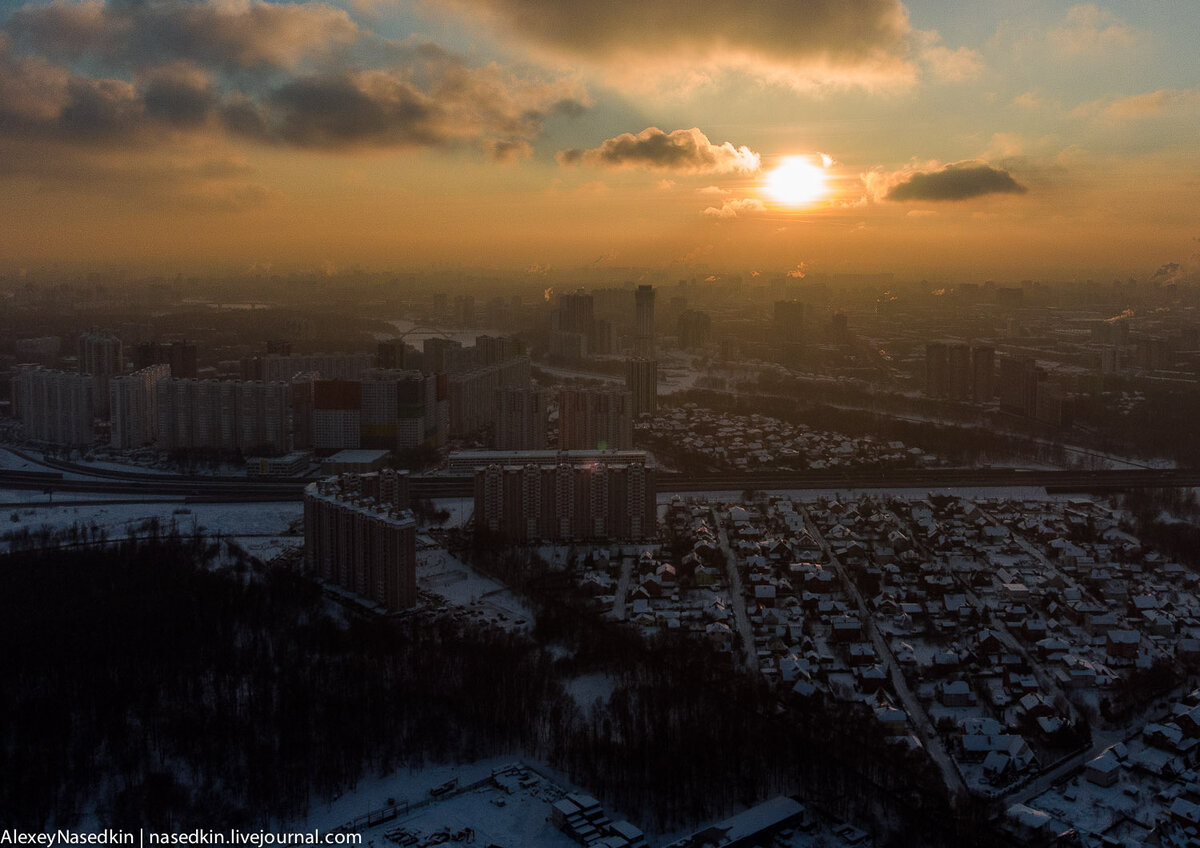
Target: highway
point(233, 490)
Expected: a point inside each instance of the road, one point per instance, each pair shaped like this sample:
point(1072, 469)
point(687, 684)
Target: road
point(737, 597)
point(622, 590)
point(918, 718)
point(236, 489)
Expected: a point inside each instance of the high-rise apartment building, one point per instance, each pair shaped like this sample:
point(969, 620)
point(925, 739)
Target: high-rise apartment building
point(1018, 386)
point(54, 406)
point(396, 407)
point(43, 350)
point(787, 322)
point(100, 355)
point(595, 419)
point(250, 416)
point(643, 339)
point(331, 366)
point(179, 355)
point(472, 393)
point(464, 310)
point(983, 373)
point(441, 355)
point(641, 378)
point(948, 370)
point(360, 535)
point(695, 329)
point(569, 499)
point(337, 415)
point(520, 419)
point(133, 406)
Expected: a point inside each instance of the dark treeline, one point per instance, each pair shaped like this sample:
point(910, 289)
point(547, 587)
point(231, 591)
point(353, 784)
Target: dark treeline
point(166, 694)
point(958, 443)
point(686, 738)
point(147, 687)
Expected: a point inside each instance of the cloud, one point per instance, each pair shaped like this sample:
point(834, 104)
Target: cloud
point(733, 209)
point(1031, 100)
point(804, 42)
point(679, 151)
point(1091, 31)
point(945, 63)
point(959, 181)
point(508, 150)
point(236, 35)
point(423, 97)
point(1164, 102)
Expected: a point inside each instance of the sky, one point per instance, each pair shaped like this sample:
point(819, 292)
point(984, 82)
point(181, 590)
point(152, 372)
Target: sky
point(970, 140)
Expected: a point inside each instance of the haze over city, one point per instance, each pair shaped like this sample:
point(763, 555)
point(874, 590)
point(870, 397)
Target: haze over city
point(604, 423)
point(1046, 140)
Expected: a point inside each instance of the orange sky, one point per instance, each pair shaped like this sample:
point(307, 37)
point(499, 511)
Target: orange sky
point(1052, 139)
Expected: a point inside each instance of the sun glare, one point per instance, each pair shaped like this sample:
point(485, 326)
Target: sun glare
point(797, 182)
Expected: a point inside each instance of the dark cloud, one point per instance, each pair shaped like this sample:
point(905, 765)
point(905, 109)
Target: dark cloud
point(181, 96)
point(337, 112)
point(682, 151)
point(136, 34)
point(956, 182)
point(142, 72)
point(819, 38)
point(508, 150)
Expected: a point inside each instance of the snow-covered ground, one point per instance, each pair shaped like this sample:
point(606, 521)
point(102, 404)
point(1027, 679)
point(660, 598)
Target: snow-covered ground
point(262, 529)
point(9, 461)
point(587, 689)
point(442, 574)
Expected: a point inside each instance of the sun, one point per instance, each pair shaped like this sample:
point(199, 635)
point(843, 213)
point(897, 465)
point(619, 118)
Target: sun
point(797, 182)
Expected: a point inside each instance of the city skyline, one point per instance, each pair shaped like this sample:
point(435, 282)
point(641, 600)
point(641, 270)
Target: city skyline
point(1041, 140)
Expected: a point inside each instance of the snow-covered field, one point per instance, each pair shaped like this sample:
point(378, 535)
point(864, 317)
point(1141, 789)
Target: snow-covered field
point(262, 529)
point(457, 584)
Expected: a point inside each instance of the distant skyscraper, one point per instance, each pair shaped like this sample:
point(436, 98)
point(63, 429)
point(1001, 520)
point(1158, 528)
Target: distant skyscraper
point(937, 369)
point(576, 312)
point(464, 310)
point(520, 419)
point(180, 356)
point(948, 370)
point(1019, 378)
point(441, 354)
point(958, 364)
point(471, 394)
point(595, 419)
point(43, 351)
point(695, 329)
point(788, 322)
point(100, 355)
point(643, 340)
point(641, 378)
point(983, 373)
point(331, 366)
point(390, 354)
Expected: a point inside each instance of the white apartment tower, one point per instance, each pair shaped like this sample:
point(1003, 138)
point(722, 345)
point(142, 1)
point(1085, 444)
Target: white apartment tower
point(54, 406)
point(100, 355)
point(133, 406)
